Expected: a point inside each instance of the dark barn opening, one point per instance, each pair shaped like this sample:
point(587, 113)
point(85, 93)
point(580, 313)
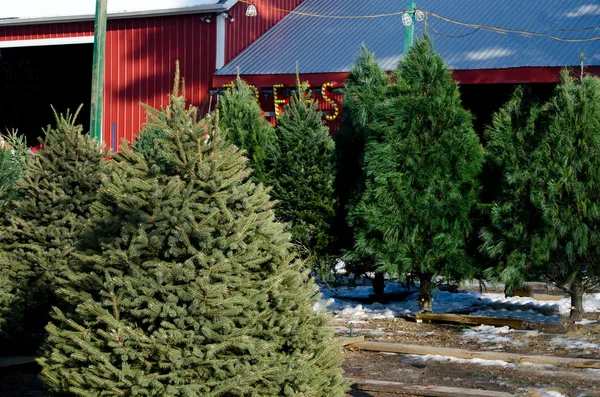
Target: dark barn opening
point(32, 79)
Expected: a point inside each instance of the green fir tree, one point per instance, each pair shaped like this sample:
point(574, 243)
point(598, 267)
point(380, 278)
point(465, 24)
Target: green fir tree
point(547, 221)
point(303, 174)
point(421, 175)
point(41, 228)
point(363, 94)
point(243, 124)
point(189, 285)
point(14, 156)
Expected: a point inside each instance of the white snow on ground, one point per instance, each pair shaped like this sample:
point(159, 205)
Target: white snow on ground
point(489, 334)
point(479, 361)
point(547, 393)
point(574, 343)
point(526, 315)
point(585, 321)
point(341, 303)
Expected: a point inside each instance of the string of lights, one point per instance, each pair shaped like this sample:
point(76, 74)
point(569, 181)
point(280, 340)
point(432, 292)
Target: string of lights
point(477, 27)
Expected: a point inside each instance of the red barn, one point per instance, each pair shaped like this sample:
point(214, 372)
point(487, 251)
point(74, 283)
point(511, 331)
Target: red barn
point(46, 56)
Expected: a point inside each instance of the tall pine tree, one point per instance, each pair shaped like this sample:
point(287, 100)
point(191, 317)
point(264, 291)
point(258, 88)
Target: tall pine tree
point(302, 175)
point(189, 285)
point(547, 222)
point(243, 124)
point(42, 227)
point(364, 90)
point(421, 177)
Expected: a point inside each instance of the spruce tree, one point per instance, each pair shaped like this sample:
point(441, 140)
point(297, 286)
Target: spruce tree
point(302, 175)
point(547, 221)
point(421, 181)
point(189, 285)
point(243, 124)
point(14, 155)
point(363, 93)
point(13, 160)
point(41, 228)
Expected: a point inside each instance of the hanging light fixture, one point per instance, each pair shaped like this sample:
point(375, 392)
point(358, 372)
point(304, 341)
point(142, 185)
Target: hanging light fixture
point(251, 10)
point(419, 16)
point(407, 19)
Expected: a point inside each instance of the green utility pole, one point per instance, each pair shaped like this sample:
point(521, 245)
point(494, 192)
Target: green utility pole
point(98, 71)
point(409, 31)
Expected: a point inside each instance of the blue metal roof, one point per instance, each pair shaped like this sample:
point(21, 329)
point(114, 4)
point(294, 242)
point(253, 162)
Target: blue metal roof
point(325, 45)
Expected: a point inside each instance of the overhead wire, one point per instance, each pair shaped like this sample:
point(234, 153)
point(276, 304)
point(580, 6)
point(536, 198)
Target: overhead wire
point(477, 27)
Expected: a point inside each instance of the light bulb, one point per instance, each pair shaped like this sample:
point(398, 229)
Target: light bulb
point(251, 11)
point(406, 19)
point(419, 15)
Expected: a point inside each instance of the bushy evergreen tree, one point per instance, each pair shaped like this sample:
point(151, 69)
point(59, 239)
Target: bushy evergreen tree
point(13, 160)
point(513, 137)
point(243, 124)
point(148, 144)
point(189, 285)
point(421, 177)
point(41, 228)
point(303, 173)
point(14, 155)
point(547, 221)
point(363, 93)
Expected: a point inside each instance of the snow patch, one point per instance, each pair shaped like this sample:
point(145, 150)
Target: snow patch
point(478, 361)
point(489, 334)
point(585, 321)
point(525, 315)
point(342, 303)
point(574, 343)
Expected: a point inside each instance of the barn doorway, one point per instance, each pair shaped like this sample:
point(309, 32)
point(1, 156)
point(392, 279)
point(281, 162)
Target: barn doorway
point(34, 78)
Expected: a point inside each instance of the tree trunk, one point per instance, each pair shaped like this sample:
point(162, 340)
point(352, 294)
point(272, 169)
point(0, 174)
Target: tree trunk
point(379, 284)
point(576, 293)
point(426, 293)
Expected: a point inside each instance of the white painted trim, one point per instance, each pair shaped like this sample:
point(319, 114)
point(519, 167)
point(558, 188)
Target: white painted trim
point(221, 24)
point(207, 8)
point(44, 42)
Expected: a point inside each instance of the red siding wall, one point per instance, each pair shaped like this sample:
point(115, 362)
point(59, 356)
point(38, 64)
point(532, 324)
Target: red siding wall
point(140, 63)
point(241, 33)
point(35, 32)
point(140, 67)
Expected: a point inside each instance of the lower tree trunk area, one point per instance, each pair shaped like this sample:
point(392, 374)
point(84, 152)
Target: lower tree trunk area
point(379, 284)
point(576, 292)
point(426, 292)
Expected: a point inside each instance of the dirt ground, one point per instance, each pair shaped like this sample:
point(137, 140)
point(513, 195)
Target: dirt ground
point(522, 380)
point(413, 370)
point(452, 336)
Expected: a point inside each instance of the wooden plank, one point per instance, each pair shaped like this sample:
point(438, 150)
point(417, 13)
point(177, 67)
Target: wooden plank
point(430, 391)
point(466, 319)
point(16, 360)
point(350, 341)
point(546, 297)
point(467, 354)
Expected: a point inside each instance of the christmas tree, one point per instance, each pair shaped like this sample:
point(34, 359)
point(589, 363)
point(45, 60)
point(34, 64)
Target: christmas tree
point(547, 221)
point(14, 155)
point(42, 227)
point(13, 160)
point(243, 124)
point(302, 175)
point(421, 177)
point(363, 93)
point(189, 286)
point(512, 139)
